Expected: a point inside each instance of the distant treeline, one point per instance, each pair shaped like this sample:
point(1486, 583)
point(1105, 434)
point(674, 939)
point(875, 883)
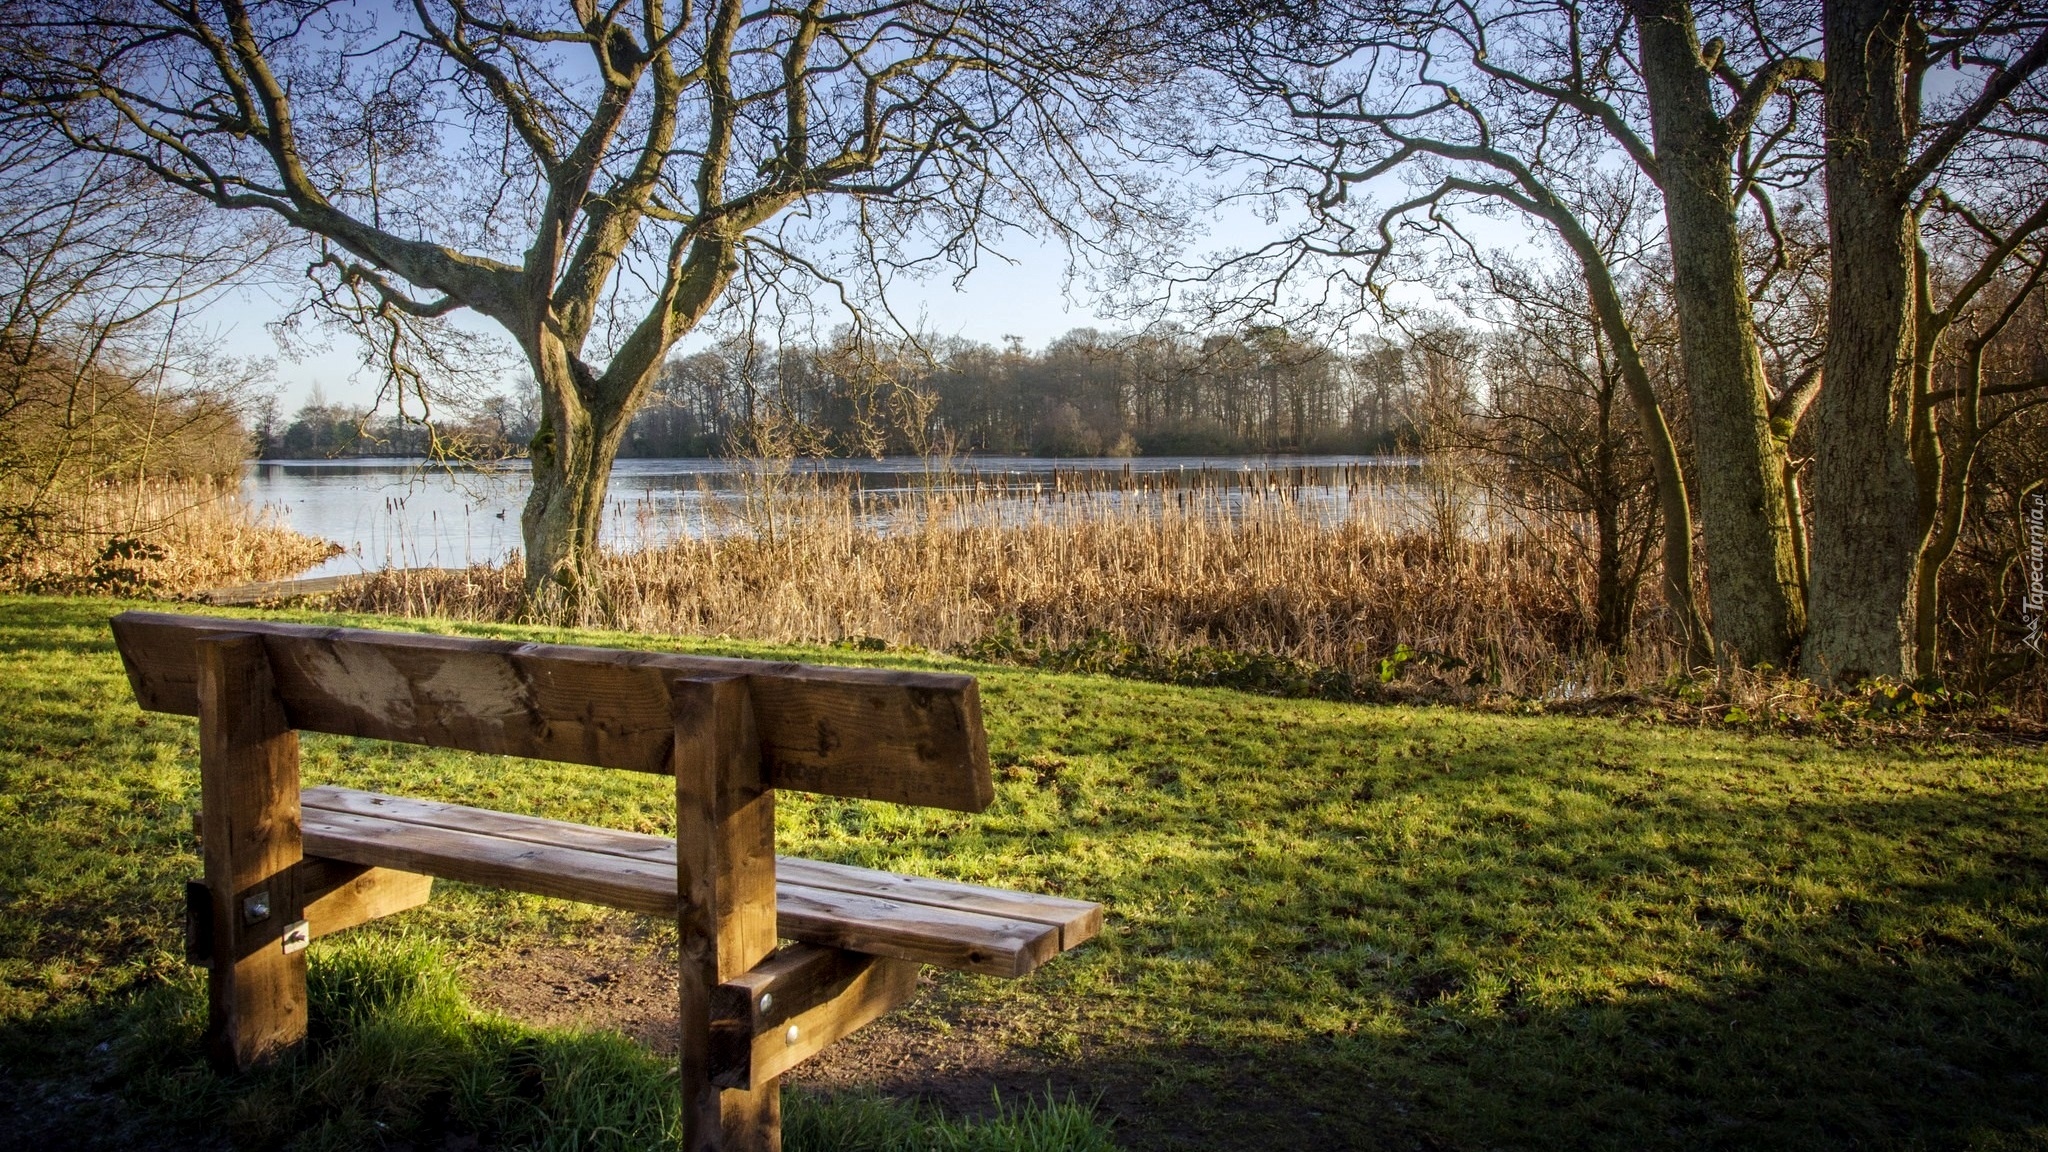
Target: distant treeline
point(1088, 393)
point(498, 427)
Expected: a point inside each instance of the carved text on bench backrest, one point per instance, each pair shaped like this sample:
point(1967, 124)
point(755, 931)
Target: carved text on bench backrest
point(907, 737)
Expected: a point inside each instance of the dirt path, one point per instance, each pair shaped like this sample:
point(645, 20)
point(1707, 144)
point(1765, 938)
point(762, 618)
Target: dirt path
point(947, 1055)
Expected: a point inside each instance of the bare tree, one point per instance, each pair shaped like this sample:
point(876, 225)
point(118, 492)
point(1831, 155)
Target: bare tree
point(1514, 104)
point(592, 178)
point(1443, 401)
point(1484, 108)
point(1988, 608)
point(99, 384)
point(1985, 286)
point(1554, 420)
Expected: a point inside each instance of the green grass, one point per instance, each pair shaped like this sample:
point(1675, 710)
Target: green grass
point(1330, 925)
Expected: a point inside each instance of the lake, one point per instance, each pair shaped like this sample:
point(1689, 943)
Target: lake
point(409, 514)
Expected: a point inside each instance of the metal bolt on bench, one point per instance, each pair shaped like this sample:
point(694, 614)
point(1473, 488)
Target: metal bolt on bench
point(285, 865)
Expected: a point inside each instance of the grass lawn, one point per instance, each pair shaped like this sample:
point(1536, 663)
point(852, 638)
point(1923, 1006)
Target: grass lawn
point(1330, 925)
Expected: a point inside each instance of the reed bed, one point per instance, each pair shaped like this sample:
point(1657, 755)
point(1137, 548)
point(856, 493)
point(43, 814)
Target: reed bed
point(1256, 586)
point(168, 538)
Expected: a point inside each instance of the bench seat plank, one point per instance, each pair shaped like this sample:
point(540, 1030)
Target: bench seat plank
point(866, 911)
point(521, 865)
point(1078, 921)
point(656, 850)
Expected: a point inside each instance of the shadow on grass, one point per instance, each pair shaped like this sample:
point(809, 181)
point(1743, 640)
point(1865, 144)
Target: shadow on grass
point(1800, 1058)
point(1796, 1055)
point(1555, 989)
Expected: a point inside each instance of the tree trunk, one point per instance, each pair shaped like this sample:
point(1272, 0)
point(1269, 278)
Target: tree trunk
point(1613, 598)
point(1940, 544)
point(572, 456)
point(1943, 520)
point(1752, 566)
point(1867, 499)
point(584, 416)
point(561, 525)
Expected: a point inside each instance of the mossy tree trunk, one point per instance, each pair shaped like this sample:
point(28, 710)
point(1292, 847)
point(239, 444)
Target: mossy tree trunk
point(1943, 460)
point(1889, 493)
point(1753, 574)
point(1867, 496)
point(1891, 489)
point(584, 417)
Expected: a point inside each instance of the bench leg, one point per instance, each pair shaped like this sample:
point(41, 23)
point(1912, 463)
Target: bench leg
point(725, 875)
point(249, 805)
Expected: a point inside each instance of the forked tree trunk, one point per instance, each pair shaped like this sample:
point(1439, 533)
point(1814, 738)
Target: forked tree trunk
point(564, 516)
point(1946, 530)
point(1753, 580)
point(583, 420)
point(1867, 500)
point(1945, 471)
point(584, 416)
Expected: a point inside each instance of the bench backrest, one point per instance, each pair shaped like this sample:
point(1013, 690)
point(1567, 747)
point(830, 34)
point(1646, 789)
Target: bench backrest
point(906, 737)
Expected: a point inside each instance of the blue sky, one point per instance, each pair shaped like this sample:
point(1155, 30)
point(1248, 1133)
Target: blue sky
point(1028, 296)
point(1025, 298)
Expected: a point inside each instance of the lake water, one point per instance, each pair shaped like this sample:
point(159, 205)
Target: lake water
point(407, 514)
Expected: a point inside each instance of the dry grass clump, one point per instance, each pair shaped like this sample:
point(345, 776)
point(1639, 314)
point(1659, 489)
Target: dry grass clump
point(1227, 586)
point(168, 538)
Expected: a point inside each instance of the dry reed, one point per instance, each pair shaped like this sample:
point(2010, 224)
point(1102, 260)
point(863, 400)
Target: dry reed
point(1116, 577)
point(169, 538)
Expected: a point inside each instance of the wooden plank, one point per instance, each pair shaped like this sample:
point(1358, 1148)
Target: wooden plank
point(837, 743)
point(933, 921)
point(906, 737)
point(657, 850)
point(725, 918)
point(264, 591)
point(797, 1003)
point(523, 866)
point(249, 798)
point(267, 591)
point(1078, 920)
point(797, 978)
point(337, 895)
point(929, 935)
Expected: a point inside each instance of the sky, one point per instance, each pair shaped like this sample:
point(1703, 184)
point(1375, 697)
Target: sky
point(1026, 298)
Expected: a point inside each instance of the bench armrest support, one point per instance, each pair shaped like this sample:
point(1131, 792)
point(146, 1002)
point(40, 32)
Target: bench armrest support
point(797, 1003)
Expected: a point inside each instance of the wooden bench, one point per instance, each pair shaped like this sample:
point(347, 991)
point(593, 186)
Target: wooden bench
point(284, 866)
